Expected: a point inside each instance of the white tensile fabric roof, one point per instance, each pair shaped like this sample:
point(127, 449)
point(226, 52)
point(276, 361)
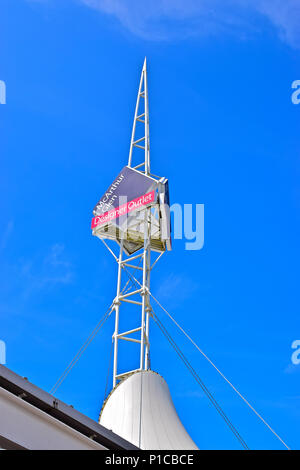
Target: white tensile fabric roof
point(140, 409)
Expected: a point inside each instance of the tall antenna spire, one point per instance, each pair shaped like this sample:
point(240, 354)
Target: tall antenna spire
point(141, 115)
point(141, 227)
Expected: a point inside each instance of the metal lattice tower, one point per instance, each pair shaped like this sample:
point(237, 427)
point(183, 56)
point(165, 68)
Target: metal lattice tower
point(140, 296)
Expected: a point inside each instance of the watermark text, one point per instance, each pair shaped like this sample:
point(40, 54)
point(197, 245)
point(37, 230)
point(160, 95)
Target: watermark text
point(296, 94)
point(2, 92)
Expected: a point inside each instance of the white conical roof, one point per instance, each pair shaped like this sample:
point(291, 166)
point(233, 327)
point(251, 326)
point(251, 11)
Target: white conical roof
point(140, 409)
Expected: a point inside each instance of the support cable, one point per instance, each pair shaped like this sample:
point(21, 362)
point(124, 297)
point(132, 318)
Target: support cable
point(84, 346)
point(196, 377)
point(221, 374)
point(81, 351)
point(200, 382)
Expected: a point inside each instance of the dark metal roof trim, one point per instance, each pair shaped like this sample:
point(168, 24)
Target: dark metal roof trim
point(37, 397)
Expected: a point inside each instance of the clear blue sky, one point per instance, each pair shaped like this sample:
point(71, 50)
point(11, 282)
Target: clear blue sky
point(225, 133)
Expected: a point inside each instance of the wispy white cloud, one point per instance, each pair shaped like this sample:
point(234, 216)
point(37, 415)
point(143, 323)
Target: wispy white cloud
point(285, 16)
point(38, 273)
point(169, 19)
point(176, 286)
point(292, 369)
point(55, 268)
point(26, 280)
point(56, 256)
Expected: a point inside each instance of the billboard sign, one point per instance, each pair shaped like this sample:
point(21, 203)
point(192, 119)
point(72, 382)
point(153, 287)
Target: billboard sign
point(120, 211)
point(130, 185)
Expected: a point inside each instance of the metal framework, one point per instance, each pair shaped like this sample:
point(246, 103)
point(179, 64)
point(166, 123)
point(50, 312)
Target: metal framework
point(138, 296)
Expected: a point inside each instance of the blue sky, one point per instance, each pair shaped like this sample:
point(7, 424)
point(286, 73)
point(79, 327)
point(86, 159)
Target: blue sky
point(223, 130)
